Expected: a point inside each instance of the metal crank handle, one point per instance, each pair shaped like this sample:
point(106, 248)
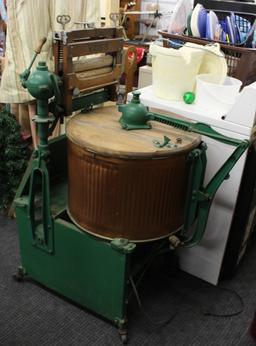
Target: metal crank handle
point(40, 46)
point(37, 51)
point(25, 74)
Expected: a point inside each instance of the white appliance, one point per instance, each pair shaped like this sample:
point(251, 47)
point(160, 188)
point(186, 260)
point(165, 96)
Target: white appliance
point(206, 260)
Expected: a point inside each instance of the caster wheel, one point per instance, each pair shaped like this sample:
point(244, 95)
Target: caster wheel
point(18, 278)
point(124, 339)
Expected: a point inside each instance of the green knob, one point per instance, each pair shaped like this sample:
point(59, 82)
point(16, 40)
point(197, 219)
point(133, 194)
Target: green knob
point(135, 96)
point(189, 97)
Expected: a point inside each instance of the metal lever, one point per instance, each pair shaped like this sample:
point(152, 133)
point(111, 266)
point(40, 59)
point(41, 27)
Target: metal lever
point(63, 19)
point(37, 51)
point(24, 75)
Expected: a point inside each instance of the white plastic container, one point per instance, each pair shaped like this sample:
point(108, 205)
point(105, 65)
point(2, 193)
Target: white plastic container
point(174, 71)
point(219, 97)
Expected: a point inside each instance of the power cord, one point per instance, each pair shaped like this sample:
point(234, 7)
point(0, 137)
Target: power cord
point(236, 313)
point(220, 288)
point(156, 324)
point(184, 296)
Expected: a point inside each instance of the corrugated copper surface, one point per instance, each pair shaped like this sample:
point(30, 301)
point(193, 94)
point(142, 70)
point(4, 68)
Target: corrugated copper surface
point(135, 199)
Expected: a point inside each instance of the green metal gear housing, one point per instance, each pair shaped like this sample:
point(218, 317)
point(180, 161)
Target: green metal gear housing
point(134, 114)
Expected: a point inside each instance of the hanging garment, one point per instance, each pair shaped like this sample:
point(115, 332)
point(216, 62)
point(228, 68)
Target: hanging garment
point(3, 11)
point(28, 22)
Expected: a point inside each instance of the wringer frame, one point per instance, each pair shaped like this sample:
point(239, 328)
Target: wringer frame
point(97, 205)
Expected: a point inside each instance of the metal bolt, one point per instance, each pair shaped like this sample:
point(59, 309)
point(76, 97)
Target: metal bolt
point(174, 242)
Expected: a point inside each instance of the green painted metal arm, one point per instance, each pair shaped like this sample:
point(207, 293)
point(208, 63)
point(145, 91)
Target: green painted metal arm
point(200, 128)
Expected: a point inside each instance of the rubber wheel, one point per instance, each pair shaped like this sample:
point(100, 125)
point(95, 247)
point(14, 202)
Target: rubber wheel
point(18, 277)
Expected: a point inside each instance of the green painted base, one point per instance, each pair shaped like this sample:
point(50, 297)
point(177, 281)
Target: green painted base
point(90, 271)
point(83, 268)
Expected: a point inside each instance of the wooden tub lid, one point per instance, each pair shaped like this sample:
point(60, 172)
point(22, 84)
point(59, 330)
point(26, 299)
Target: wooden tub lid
point(100, 132)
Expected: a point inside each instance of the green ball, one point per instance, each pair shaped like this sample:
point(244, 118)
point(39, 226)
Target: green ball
point(189, 97)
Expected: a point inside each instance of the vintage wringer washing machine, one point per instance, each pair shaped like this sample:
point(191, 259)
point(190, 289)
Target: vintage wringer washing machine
point(97, 205)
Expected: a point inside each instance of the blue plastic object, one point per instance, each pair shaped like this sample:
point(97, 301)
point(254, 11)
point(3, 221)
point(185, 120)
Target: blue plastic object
point(230, 31)
point(208, 31)
point(202, 19)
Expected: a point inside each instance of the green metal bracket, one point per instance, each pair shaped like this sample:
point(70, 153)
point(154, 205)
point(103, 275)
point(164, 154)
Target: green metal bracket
point(39, 212)
point(123, 245)
point(196, 162)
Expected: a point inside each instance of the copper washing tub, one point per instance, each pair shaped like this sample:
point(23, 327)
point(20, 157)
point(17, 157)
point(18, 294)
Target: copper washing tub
point(120, 184)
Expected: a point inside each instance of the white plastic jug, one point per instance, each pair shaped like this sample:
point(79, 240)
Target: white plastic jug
point(174, 71)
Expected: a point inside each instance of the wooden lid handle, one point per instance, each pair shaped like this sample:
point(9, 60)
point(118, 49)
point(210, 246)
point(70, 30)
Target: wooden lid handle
point(40, 46)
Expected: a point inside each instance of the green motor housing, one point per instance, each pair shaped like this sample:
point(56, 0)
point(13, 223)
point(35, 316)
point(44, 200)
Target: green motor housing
point(135, 115)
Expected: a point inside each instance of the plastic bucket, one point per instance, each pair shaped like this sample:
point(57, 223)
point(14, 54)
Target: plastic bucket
point(174, 71)
point(212, 95)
